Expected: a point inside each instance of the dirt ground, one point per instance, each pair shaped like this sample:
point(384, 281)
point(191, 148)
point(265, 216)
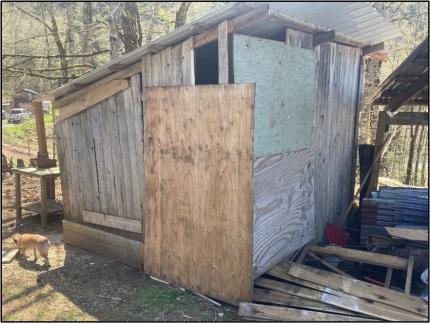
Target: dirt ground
point(80, 285)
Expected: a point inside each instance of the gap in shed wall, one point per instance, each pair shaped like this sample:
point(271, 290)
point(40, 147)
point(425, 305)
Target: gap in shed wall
point(206, 64)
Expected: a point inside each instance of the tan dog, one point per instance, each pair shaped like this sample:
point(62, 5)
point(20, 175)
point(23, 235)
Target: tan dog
point(33, 241)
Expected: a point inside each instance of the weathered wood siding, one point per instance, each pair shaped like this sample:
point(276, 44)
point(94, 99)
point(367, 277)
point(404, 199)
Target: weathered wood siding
point(283, 207)
point(101, 157)
point(336, 109)
point(100, 149)
point(198, 184)
point(286, 92)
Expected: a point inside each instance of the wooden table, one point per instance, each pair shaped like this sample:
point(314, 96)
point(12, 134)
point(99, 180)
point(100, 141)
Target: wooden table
point(47, 203)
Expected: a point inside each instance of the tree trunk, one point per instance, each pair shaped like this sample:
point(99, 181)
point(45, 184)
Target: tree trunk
point(181, 14)
point(414, 135)
point(151, 23)
point(419, 155)
point(132, 32)
point(115, 40)
point(87, 38)
point(424, 173)
point(58, 42)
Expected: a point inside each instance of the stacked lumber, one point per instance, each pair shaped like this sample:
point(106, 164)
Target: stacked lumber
point(394, 207)
point(294, 291)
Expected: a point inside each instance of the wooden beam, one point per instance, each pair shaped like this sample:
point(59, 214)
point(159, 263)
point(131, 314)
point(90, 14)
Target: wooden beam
point(118, 67)
point(88, 100)
point(409, 275)
point(298, 38)
point(154, 48)
point(121, 75)
point(223, 53)
point(198, 28)
point(387, 282)
point(40, 130)
point(379, 141)
point(409, 118)
point(238, 22)
point(411, 91)
point(279, 298)
point(373, 48)
point(292, 22)
point(323, 37)
point(327, 265)
point(362, 256)
point(127, 251)
point(112, 221)
point(360, 288)
point(290, 314)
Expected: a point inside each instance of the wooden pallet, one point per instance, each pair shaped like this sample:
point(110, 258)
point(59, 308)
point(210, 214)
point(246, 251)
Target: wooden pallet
point(293, 291)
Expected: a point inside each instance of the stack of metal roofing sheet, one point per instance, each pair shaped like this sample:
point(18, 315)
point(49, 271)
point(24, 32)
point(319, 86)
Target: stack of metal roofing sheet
point(394, 207)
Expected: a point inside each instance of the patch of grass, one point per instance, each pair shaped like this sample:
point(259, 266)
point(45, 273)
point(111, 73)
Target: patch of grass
point(159, 299)
point(68, 315)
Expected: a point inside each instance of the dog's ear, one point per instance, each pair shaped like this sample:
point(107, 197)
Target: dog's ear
point(15, 238)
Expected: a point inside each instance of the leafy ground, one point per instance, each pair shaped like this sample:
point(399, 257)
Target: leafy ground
point(80, 285)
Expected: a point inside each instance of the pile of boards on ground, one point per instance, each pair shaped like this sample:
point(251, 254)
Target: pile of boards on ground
point(297, 292)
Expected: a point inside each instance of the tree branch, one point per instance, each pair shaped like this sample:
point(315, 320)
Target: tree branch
point(56, 56)
point(47, 69)
point(40, 75)
point(34, 17)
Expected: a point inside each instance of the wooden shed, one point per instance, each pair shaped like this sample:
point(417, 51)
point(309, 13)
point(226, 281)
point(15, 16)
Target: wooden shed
point(215, 152)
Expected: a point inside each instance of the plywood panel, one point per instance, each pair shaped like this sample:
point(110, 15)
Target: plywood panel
point(198, 182)
point(338, 88)
point(283, 207)
point(285, 94)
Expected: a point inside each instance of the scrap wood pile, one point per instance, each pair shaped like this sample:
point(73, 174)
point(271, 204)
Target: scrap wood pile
point(295, 291)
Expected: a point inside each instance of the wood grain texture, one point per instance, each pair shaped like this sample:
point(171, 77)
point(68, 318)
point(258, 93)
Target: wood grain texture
point(101, 156)
point(375, 309)
point(338, 78)
point(198, 183)
point(279, 298)
point(112, 221)
point(298, 38)
point(104, 243)
point(283, 207)
point(278, 313)
point(91, 98)
point(223, 52)
point(285, 95)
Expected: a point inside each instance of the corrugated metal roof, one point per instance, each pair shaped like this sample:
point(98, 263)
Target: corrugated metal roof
point(357, 20)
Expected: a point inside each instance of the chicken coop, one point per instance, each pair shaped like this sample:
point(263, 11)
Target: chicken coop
point(210, 155)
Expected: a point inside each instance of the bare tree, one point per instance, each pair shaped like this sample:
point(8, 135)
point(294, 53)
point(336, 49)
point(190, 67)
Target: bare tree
point(114, 38)
point(87, 35)
point(181, 14)
point(132, 31)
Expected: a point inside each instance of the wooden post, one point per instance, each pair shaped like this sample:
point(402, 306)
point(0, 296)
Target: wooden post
point(18, 197)
point(40, 129)
point(43, 207)
point(379, 141)
point(223, 52)
point(409, 275)
point(388, 277)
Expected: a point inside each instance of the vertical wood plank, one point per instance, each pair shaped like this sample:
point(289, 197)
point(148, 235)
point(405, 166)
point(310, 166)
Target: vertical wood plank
point(297, 38)
point(188, 75)
point(223, 53)
point(18, 197)
point(62, 161)
point(43, 209)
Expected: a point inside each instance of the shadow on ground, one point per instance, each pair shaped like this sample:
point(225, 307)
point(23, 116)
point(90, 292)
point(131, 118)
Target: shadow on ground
point(80, 285)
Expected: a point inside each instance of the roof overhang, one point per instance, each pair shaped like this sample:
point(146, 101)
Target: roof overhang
point(355, 24)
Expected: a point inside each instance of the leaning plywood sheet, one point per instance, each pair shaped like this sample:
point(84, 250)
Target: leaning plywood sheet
point(283, 207)
point(285, 92)
point(198, 188)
